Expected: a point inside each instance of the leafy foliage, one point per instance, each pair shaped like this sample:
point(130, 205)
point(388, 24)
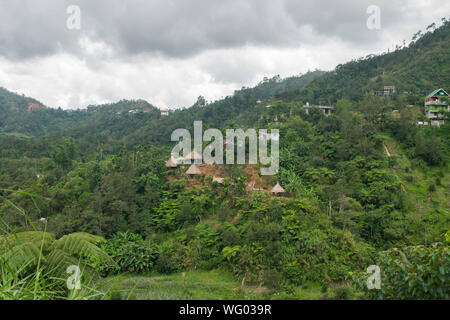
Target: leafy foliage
point(53, 255)
point(131, 252)
point(414, 272)
point(362, 180)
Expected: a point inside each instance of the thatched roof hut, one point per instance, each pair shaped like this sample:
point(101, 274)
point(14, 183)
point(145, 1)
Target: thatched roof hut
point(194, 156)
point(171, 163)
point(277, 189)
point(193, 170)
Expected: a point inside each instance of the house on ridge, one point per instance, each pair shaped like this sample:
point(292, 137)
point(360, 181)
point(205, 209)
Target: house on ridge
point(436, 103)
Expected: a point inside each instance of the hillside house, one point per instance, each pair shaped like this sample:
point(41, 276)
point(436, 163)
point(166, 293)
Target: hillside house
point(388, 90)
point(270, 136)
point(436, 103)
point(327, 110)
point(32, 106)
point(164, 112)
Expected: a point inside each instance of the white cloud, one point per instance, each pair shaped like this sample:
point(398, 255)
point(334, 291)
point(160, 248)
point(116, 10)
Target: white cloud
point(68, 81)
point(169, 55)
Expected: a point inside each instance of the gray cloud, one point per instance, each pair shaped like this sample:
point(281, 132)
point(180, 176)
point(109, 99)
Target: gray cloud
point(171, 51)
point(182, 28)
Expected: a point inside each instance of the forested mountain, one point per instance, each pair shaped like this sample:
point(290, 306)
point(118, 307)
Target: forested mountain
point(416, 69)
point(10, 101)
point(26, 116)
point(23, 115)
point(363, 186)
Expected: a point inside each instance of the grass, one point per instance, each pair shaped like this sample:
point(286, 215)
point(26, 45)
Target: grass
point(41, 286)
point(195, 285)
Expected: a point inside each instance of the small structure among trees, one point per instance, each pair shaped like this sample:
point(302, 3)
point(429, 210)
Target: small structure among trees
point(277, 190)
point(171, 163)
point(327, 110)
point(194, 155)
point(193, 171)
point(33, 106)
point(388, 90)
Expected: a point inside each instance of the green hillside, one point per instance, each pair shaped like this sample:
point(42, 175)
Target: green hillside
point(416, 70)
point(363, 186)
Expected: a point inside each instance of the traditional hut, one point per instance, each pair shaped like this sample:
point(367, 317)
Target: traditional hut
point(194, 155)
point(171, 163)
point(193, 170)
point(277, 190)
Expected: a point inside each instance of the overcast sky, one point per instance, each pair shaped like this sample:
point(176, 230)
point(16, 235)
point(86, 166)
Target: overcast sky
point(169, 52)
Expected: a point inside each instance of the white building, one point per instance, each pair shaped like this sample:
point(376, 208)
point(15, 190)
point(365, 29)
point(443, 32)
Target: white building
point(326, 109)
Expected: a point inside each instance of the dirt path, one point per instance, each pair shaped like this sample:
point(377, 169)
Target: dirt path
point(386, 150)
point(402, 187)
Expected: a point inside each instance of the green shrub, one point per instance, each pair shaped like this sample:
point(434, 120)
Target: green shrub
point(224, 213)
point(170, 258)
point(230, 237)
point(340, 292)
point(166, 264)
point(131, 252)
point(272, 279)
point(415, 272)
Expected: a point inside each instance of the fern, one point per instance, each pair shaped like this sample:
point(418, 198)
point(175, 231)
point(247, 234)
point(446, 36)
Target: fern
point(58, 261)
point(21, 257)
point(37, 238)
point(79, 245)
point(22, 251)
point(89, 237)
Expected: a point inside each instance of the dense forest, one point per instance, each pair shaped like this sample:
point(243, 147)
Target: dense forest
point(364, 186)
